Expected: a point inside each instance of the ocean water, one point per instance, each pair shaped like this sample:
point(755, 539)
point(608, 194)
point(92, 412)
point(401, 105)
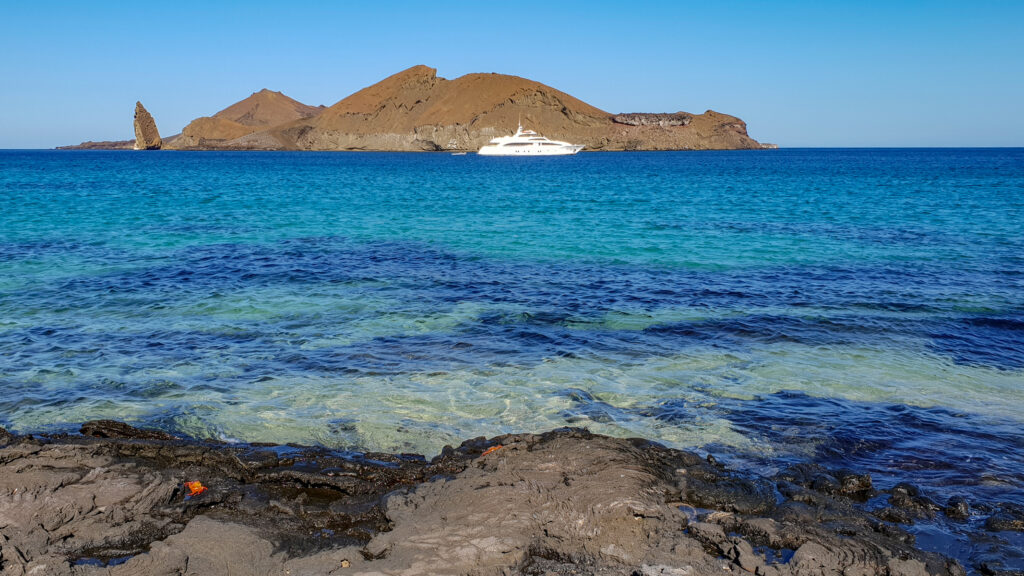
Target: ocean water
point(859, 308)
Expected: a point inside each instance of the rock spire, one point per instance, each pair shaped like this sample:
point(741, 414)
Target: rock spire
point(147, 137)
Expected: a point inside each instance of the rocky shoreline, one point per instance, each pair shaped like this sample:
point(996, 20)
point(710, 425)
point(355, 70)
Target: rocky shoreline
point(114, 500)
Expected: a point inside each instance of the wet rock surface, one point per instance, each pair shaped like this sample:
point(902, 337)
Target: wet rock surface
point(564, 502)
point(115, 429)
point(957, 508)
point(1008, 517)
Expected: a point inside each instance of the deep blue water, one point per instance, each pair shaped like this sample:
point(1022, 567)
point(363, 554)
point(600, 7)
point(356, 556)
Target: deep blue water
point(858, 308)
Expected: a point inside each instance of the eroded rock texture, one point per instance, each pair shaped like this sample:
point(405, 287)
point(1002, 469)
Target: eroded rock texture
point(147, 137)
point(648, 119)
point(565, 502)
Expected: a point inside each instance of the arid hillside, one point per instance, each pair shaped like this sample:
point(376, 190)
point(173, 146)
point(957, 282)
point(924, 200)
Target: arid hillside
point(416, 110)
point(259, 111)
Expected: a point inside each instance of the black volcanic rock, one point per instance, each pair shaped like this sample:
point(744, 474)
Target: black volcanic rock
point(1009, 517)
point(567, 502)
point(115, 429)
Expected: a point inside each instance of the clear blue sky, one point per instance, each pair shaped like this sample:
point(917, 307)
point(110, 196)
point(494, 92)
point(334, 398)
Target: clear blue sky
point(812, 73)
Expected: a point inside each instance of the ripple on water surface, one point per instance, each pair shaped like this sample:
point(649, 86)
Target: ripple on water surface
point(859, 308)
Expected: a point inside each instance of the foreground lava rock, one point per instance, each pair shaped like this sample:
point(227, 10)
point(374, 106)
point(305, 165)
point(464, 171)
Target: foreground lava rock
point(565, 502)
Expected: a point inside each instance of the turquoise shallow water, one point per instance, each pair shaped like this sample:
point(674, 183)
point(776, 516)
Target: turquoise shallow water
point(792, 304)
point(856, 308)
point(401, 302)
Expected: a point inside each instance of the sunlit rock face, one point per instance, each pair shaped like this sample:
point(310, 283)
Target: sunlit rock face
point(147, 137)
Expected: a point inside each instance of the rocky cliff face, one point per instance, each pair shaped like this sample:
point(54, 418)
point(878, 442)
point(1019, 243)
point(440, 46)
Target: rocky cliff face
point(147, 137)
point(647, 119)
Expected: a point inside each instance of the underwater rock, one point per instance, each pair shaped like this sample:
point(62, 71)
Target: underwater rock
point(957, 508)
point(1009, 517)
point(834, 483)
point(909, 498)
point(115, 429)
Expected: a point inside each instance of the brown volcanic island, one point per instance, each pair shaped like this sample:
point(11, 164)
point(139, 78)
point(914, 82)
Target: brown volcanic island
point(257, 113)
point(415, 110)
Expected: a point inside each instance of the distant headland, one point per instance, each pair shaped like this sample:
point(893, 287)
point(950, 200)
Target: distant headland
point(415, 110)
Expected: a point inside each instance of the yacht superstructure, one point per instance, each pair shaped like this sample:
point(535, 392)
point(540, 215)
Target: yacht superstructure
point(527, 143)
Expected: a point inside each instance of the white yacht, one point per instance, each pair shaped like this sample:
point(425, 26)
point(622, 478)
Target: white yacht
point(527, 143)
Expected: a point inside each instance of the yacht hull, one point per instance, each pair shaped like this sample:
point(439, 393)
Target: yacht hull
point(530, 150)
